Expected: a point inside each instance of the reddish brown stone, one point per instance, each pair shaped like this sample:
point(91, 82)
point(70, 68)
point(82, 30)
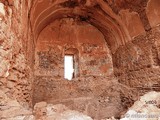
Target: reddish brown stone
point(115, 45)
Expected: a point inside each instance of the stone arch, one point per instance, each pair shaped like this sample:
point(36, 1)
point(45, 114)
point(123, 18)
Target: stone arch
point(103, 18)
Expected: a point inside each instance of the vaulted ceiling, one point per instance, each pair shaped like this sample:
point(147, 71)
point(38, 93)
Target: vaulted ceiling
point(103, 14)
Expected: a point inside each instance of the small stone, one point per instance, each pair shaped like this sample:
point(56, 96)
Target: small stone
point(40, 105)
point(11, 2)
point(2, 9)
point(10, 84)
point(13, 103)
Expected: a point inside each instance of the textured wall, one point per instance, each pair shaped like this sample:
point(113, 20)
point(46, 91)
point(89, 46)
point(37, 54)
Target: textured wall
point(137, 64)
point(88, 93)
point(93, 54)
point(118, 59)
point(15, 77)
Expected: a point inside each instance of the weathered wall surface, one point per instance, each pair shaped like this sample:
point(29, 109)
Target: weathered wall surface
point(114, 59)
point(15, 77)
point(133, 22)
point(93, 55)
point(153, 12)
point(98, 97)
point(15, 111)
point(95, 91)
point(137, 63)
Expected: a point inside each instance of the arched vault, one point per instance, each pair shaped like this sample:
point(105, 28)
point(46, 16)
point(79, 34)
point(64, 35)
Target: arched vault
point(95, 12)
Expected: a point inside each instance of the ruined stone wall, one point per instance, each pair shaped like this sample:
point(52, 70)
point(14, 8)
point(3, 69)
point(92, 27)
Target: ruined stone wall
point(95, 91)
point(98, 97)
point(15, 77)
point(94, 57)
point(137, 63)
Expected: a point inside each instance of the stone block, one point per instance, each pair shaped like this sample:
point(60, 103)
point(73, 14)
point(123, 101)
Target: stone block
point(2, 10)
point(10, 84)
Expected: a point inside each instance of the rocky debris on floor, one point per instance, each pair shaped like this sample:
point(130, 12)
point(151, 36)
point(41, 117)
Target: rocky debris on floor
point(146, 108)
point(44, 111)
point(12, 110)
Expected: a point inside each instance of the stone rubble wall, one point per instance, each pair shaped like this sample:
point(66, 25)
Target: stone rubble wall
point(137, 64)
point(15, 77)
point(94, 96)
point(94, 92)
point(97, 92)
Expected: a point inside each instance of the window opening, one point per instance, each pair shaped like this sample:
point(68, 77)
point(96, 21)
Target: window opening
point(69, 67)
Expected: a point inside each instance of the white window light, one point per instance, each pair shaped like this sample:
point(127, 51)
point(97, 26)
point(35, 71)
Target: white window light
point(68, 67)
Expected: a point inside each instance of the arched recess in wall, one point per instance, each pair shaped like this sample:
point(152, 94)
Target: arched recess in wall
point(98, 14)
point(153, 12)
point(73, 37)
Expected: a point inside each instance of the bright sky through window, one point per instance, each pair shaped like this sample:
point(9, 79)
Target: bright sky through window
point(68, 67)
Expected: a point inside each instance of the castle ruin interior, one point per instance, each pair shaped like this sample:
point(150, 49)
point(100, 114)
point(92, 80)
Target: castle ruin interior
point(79, 59)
